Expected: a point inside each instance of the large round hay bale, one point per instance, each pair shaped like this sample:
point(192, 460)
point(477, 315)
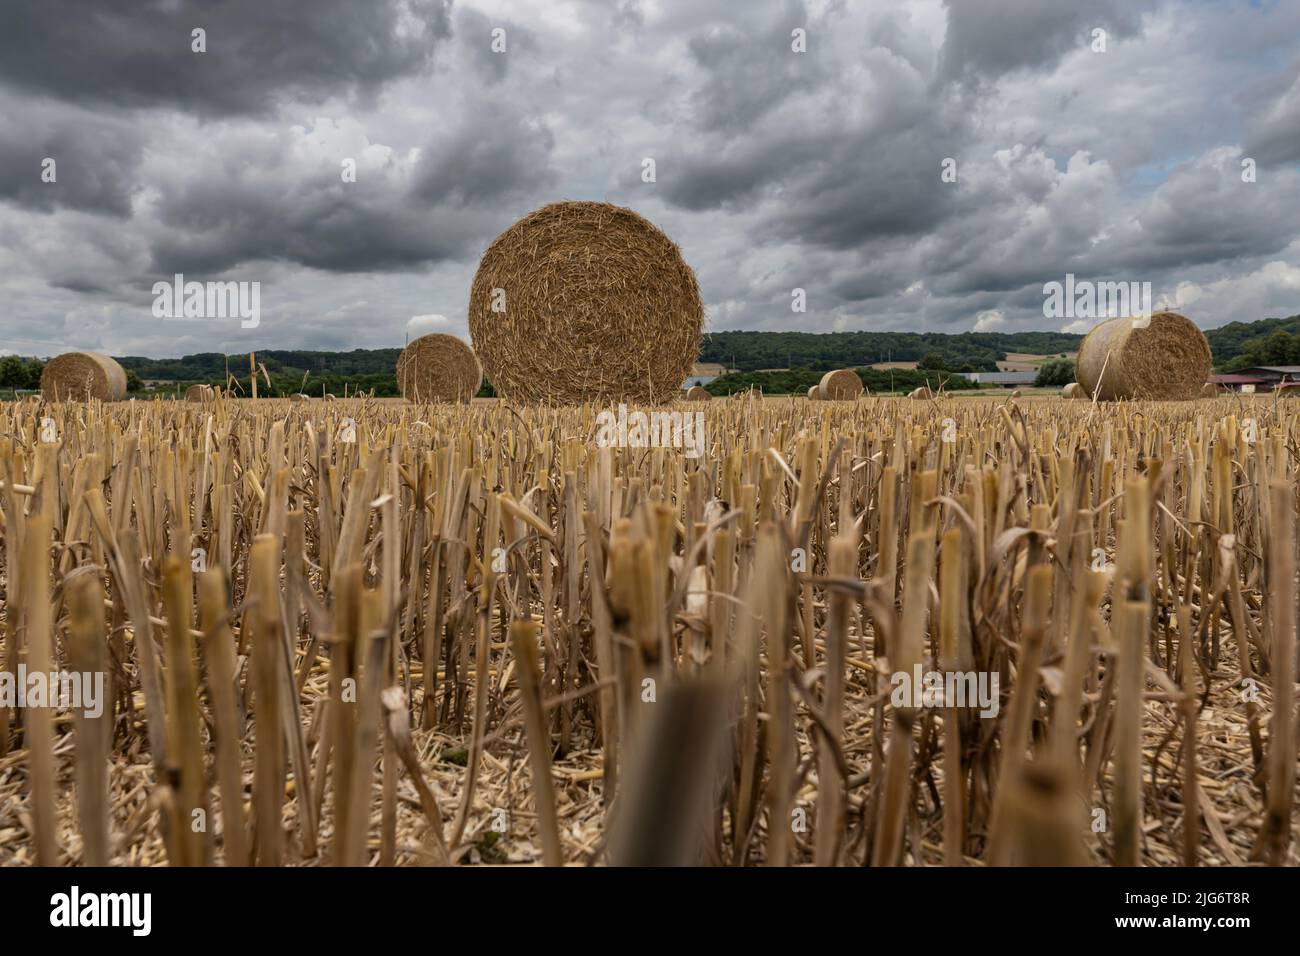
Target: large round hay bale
point(922, 393)
point(585, 301)
point(81, 376)
point(1073, 390)
point(199, 393)
point(698, 393)
point(1164, 358)
point(842, 384)
point(438, 368)
point(1210, 390)
point(815, 392)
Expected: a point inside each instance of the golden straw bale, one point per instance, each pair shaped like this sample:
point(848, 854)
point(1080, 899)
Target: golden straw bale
point(585, 301)
point(698, 393)
point(1161, 358)
point(438, 368)
point(80, 376)
point(841, 384)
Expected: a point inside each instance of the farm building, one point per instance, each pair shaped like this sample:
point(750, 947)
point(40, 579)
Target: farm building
point(1004, 379)
point(1269, 377)
point(702, 373)
point(1240, 382)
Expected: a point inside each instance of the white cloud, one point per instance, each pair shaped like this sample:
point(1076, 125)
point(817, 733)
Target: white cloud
point(424, 324)
point(989, 320)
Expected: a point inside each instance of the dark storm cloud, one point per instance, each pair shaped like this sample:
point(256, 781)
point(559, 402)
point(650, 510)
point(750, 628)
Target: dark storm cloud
point(1273, 135)
point(989, 38)
point(751, 72)
point(475, 39)
point(275, 203)
point(137, 53)
point(495, 153)
point(775, 169)
point(94, 157)
point(1204, 213)
point(866, 186)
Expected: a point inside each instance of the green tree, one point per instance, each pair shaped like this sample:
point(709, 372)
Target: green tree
point(34, 368)
point(1055, 373)
point(13, 373)
point(932, 361)
point(133, 383)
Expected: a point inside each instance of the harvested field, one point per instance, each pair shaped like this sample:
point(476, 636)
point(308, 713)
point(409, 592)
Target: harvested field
point(390, 634)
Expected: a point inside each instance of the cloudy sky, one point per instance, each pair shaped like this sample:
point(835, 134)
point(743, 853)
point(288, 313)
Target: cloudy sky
point(774, 169)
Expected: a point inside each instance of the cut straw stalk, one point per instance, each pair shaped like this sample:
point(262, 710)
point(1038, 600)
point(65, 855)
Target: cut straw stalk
point(523, 641)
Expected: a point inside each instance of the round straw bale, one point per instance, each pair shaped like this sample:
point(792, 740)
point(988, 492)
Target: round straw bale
point(1210, 390)
point(1073, 390)
point(438, 368)
point(199, 393)
point(299, 397)
point(815, 392)
point(841, 384)
point(1163, 358)
point(921, 393)
point(698, 393)
point(81, 376)
point(585, 301)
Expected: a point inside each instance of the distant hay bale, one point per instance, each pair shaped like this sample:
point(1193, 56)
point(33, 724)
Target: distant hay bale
point(299, 397)
point(698, 393)
point(842, 384)
point(199, 393)
point(1210, 390)
point(438, 368)
point(81, 376)
point(922, 393)
point(815, 392)
point(585, 301)
point(1073, 390)
point(1165, 358)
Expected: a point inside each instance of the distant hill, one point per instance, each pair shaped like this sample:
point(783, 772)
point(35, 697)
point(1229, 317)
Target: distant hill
point(964, 351)
point(1272, 341)
point(290, 362)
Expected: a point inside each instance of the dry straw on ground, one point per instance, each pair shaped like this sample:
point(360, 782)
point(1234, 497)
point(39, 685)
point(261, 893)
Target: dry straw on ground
point(199, 393)
point(1210, 390)
point(1073, 390)
point(1164, 357)
point(423, 634)
point(843, 384)
point(438, 368)
point(698, 393)
point(79, 376)
point(585, 301)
